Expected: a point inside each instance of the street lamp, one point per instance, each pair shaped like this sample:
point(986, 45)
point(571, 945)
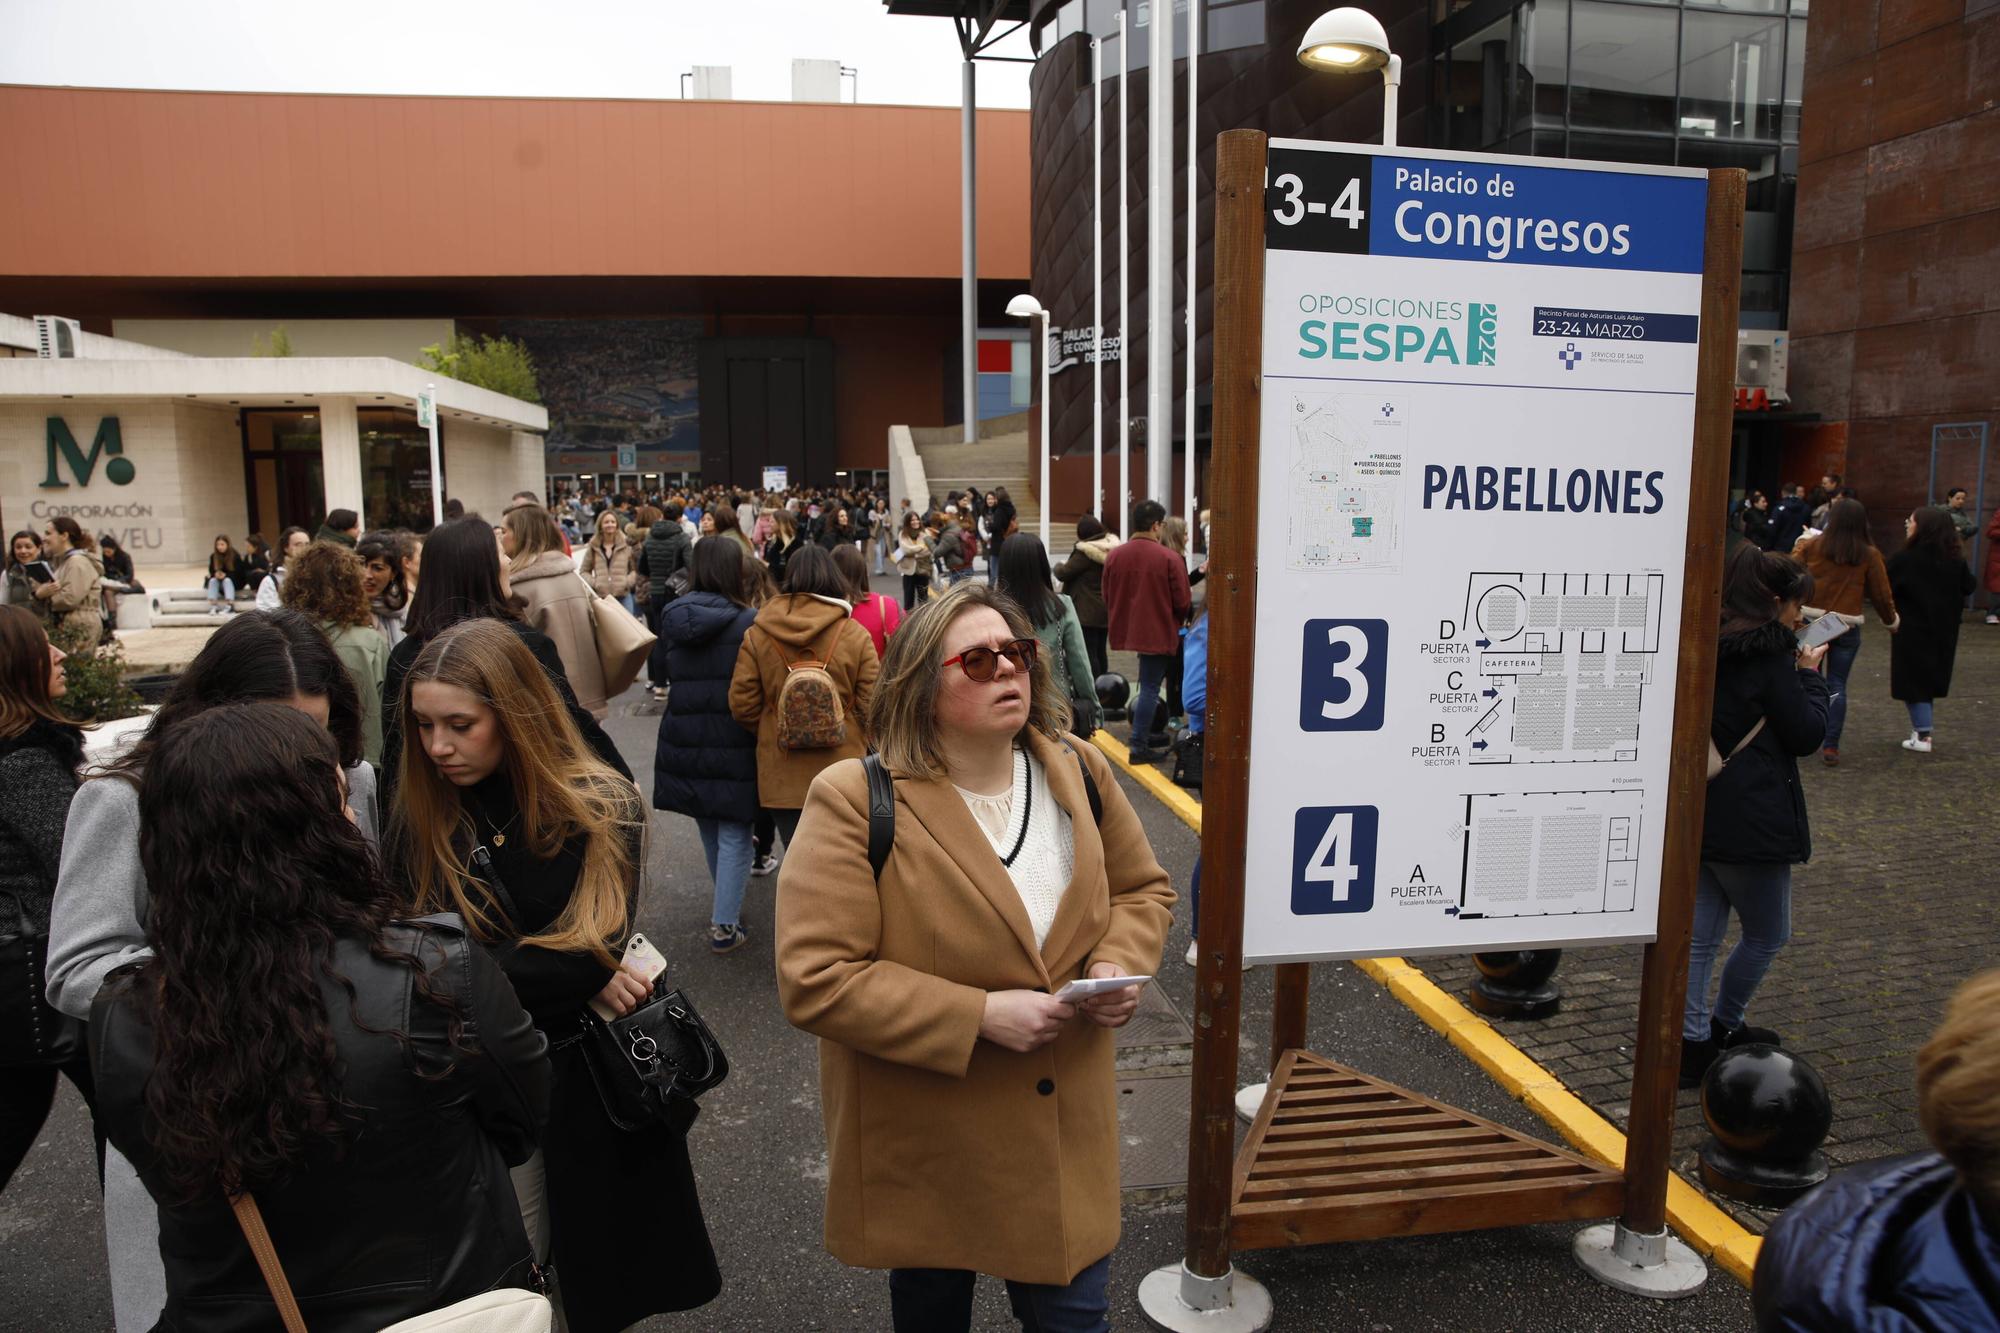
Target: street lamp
point(1025, 306)
point(1353, 41)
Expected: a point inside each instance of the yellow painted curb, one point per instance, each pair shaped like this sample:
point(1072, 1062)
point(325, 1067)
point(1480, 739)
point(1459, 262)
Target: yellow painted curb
point(1707, 1228)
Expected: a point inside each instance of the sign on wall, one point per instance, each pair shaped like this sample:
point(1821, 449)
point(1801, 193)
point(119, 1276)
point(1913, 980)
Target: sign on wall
point(775, 479)
point(1478, 407)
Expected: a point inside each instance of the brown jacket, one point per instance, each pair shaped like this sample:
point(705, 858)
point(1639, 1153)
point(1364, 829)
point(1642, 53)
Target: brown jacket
point(559, 606)
point(1841, 587)
point(610, 575)
point(946, 1151)
point(790, 629)
point(78, 603)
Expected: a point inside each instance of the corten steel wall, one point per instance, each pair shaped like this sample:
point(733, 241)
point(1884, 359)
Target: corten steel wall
point(148, 184)
point(1263, 88)
point(1896, 252)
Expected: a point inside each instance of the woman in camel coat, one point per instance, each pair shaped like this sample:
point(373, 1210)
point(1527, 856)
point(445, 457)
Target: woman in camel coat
point(557, 600)
point(971, 1118)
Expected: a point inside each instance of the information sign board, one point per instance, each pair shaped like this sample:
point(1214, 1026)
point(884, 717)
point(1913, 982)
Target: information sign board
point(1477, 423)
point(774, 479)
point(628, 457)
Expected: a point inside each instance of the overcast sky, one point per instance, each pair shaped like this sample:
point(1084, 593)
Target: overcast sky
point(535, 48)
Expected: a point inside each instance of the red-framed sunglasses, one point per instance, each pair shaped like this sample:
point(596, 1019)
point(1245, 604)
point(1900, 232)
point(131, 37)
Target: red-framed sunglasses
point(981, 663)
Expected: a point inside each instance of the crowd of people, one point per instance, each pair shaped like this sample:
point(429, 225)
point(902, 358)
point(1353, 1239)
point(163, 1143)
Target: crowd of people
point(350, 920)
point(329, 948)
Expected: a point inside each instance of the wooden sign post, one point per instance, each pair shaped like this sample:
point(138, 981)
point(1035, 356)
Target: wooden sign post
point(1334, 1154)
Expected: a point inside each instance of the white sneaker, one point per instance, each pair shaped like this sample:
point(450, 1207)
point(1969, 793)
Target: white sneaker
point(1193, 953)
point(1992, 619)
point(1917, 743)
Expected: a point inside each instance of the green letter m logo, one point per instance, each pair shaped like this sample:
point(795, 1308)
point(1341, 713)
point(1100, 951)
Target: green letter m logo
point(118, 471)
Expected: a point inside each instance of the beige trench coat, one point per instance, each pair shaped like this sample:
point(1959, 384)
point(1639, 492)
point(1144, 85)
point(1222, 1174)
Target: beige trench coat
point(947, 1151)
point(559, 606)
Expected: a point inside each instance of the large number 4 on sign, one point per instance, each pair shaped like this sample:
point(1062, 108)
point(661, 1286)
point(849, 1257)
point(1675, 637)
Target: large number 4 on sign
point(1343, 675)
point(1333, 859)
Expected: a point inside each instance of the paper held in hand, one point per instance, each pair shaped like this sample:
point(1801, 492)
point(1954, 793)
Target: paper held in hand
point(1085, 987)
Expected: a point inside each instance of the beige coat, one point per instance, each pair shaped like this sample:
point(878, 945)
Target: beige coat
point(790, 629)
point(78, 602)
point(946, 1151)
point(610, 575)
point(559, 606)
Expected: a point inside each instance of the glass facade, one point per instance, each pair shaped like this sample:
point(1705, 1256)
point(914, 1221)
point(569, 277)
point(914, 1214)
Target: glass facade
point(1651, 81)
point(395, 469)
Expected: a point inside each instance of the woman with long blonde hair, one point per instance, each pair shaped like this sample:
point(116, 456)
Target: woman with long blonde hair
point(509, 820)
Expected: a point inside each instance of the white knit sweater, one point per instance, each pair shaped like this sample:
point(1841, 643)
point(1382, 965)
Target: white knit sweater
point(1041, 872)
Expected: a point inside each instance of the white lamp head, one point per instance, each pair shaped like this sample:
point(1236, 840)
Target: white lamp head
point(1350, 40)
point(1025, 306)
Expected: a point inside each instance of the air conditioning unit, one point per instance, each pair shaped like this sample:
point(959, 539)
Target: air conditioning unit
point(1762, 356)
point(56, 336)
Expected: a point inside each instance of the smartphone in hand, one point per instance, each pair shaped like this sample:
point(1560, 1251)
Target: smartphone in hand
point(1824, 630)
point(1085, 987)
point(640, 957)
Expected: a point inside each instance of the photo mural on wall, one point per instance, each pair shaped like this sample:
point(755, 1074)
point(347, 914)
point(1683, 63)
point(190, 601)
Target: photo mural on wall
point(614, 382)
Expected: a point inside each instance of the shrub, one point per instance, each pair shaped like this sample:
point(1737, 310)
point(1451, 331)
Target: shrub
point(500, 364)
point(96, 680)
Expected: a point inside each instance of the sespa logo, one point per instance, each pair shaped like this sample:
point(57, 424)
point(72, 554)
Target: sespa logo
point(1399, 329)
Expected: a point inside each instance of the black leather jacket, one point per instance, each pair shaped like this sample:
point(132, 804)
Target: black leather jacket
point(418, 1211)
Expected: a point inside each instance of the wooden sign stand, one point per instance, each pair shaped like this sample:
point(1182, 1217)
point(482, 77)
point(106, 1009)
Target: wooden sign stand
point(1333, 1154)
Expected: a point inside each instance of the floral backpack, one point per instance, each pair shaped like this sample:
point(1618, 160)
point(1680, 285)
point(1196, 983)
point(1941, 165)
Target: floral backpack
point(809, 713)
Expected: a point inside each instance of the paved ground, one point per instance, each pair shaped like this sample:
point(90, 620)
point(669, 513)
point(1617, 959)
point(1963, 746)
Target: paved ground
point(759, 1155)
point(1892, 913)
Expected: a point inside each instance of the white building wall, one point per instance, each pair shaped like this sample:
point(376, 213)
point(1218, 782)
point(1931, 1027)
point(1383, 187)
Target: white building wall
point(397, 339)
point(212, 495)
point(478, 465)
point(149, 516)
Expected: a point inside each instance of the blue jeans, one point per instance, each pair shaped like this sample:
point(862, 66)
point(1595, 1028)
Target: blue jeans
point(726, 845)
point(939, 1300)
point(1762, 897)
point(630, 603)
point(1920, 714)
point(221, 590)
point(1153, 669)
point(1839, 665)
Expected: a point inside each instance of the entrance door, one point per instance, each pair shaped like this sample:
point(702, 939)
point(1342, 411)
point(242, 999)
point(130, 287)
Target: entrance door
point(284, 474)
point(766, 402)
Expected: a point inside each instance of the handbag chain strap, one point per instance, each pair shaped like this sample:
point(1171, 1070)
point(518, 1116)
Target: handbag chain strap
point(251, 1220)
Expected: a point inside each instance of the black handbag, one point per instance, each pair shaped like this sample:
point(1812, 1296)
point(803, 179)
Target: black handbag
point(651, 1064)
point(1187, 759)
point(33, 1033)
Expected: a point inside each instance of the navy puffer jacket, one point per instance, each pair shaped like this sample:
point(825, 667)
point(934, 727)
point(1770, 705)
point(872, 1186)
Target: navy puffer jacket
point(706, 763)
point(1895, 1246)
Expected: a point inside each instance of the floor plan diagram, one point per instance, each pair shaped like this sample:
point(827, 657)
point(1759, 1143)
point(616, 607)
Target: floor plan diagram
point(1564, 662)
point(1343, 504)
point(1550, 853)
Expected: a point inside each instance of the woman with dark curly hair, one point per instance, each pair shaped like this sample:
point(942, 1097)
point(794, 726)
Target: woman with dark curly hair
point(367, 1082)
point(327, 586)
point(97, 922)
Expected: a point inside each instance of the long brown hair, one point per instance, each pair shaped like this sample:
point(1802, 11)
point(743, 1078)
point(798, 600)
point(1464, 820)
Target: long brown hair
point(1845, 540)
point(1936, 534)
point(24, 675)
point(561, 788)
point(902, 713)
point(534, 532)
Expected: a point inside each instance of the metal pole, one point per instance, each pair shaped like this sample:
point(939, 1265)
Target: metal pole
point(1047, 447)
point(1191, 278)
point(1160, 254)
point(437, 462)
point(1392, 82)
point(968, 293)
point(1097, 279)
point(1124, 289)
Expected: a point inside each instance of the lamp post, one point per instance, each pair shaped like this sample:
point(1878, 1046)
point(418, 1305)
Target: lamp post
point(1353, 41)
point(1027, 307)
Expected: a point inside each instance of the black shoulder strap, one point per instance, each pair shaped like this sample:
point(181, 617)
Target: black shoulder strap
point(882, 806)
point(881, 812)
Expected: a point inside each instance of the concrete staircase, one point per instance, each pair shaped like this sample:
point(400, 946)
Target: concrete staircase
point(187, 608)
point(999, 458)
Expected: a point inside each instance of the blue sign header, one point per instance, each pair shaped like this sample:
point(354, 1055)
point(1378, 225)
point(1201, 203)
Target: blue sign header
point(1484, 211)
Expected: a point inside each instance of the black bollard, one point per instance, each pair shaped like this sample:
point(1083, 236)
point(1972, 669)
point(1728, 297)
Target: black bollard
point(1114, 692)
point(1768, 1112)
point(1516, 984)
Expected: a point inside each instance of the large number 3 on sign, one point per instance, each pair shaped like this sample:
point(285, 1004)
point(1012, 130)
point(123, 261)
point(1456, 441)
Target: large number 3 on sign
point(1346, 669)
point(1347, 207)
point(1343, 675)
